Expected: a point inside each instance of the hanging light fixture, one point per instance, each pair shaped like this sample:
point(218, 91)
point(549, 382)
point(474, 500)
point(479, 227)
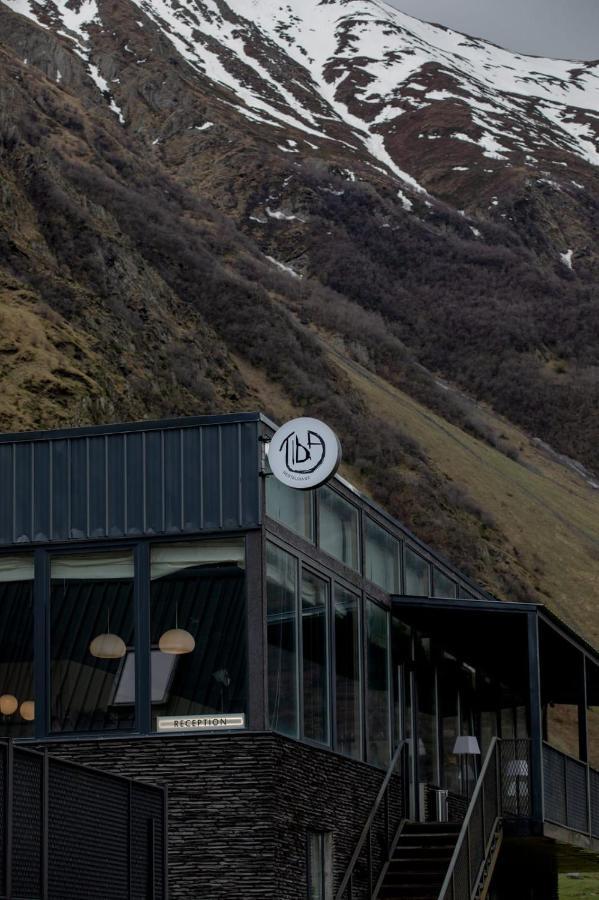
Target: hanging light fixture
point(27, 710)
point(8, 704)
point(108, 645)
point(177, 641)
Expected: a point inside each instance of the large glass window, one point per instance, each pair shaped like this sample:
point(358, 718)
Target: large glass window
point(347, 672)
point(448, 722)
point(17, 701)
point(281, 581)
point(401, 642)
point(426, 713)
point(382, 557)
point(315, 656)
point(417, 575)
point(198, 629)
point(378, 684)
point(292, 508)
point(339, 528)
point(91, 630)
point(442, 585)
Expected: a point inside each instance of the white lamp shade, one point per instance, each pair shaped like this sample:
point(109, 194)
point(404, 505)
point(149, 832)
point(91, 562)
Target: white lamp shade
point(466, 745)
point(27, 710)
point(108, 646)
point(8, 704)
point(177, 641)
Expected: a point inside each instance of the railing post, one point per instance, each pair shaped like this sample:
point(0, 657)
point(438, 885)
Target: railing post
point(589, 810)
point(9, 816)
point(387, 842)
point(45, 810)
point(566, 816)
point(536, 773)
point(370, 861)
point(469, 861)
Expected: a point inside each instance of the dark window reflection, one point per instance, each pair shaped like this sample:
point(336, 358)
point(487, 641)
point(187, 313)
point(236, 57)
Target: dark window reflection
point(198, 629)
point(378, 687)
point(17, 702)
point(315, 593)
point(91, 627)
point(347, 672)
point(281, 580)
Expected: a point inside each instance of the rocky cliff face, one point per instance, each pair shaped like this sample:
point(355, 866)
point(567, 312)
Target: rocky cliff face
point(209, 205)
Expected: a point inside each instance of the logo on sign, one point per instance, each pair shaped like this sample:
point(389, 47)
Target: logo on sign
point(304, 453)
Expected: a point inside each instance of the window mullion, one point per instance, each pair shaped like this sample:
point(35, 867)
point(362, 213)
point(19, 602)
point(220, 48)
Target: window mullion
point(143, 674)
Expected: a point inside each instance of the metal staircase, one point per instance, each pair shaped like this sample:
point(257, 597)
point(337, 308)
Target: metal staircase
point(420, 861)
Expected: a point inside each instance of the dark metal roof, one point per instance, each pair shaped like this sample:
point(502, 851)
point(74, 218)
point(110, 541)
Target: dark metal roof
point(145, 478)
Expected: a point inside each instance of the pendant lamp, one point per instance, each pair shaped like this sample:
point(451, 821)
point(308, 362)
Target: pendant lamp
point(8, 704)
point(27, 710)
point(108, 645)
point(177, 641)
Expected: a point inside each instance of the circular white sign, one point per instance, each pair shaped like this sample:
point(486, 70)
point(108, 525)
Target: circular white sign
point(304, 453)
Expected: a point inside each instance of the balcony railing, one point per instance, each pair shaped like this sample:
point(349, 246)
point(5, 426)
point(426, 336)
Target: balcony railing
point(571, 791)
point(379, 833)
point(71, 832)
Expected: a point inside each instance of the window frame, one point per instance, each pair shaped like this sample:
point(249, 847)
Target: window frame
point(369, 520)
point(140, 547)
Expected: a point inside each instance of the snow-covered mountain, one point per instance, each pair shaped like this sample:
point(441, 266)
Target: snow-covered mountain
point(356, 73)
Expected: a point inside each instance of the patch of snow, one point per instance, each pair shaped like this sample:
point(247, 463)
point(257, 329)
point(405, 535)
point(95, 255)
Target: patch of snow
point(282, 266)
point(58, 76)
point(566, 258)
point(281, 216)
point(287, 149)
point(461, 169)
point(405, 201)
point(475, 231)
point(203, 127)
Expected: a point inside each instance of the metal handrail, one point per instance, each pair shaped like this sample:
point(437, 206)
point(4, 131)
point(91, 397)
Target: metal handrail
point(464, 835)
point(397, 756)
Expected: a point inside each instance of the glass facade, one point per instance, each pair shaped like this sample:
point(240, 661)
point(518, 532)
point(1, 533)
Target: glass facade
point(281, 588)
point(339, 528)
point(295, 509)
point(17, 699)
point(348, 673)
point(197, 629)
point(92, 626)
point(315, 657)
point(417, 575)
point(382, 553)
point(378, 684)
point(443, 586)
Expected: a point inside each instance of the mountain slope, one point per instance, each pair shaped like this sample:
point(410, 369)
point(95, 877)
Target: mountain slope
point(203, 204)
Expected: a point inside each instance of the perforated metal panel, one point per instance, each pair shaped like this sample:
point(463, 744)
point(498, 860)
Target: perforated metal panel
point(128, 480)
point(104, 837)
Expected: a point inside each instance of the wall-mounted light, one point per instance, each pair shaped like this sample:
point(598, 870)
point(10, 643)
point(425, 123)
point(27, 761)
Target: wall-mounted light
point(8, 704)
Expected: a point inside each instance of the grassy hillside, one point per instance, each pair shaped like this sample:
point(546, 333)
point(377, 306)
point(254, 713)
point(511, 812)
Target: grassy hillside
point(547, 511)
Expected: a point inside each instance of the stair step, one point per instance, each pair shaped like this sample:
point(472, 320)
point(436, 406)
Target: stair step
point(432, 827)
point(414, 893)
point(422, 864)
point(409, 879)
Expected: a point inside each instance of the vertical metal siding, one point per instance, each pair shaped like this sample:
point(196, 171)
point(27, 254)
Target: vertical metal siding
point(172, 480)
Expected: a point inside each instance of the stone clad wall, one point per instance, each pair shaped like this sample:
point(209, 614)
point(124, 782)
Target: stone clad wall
point(240, 806)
